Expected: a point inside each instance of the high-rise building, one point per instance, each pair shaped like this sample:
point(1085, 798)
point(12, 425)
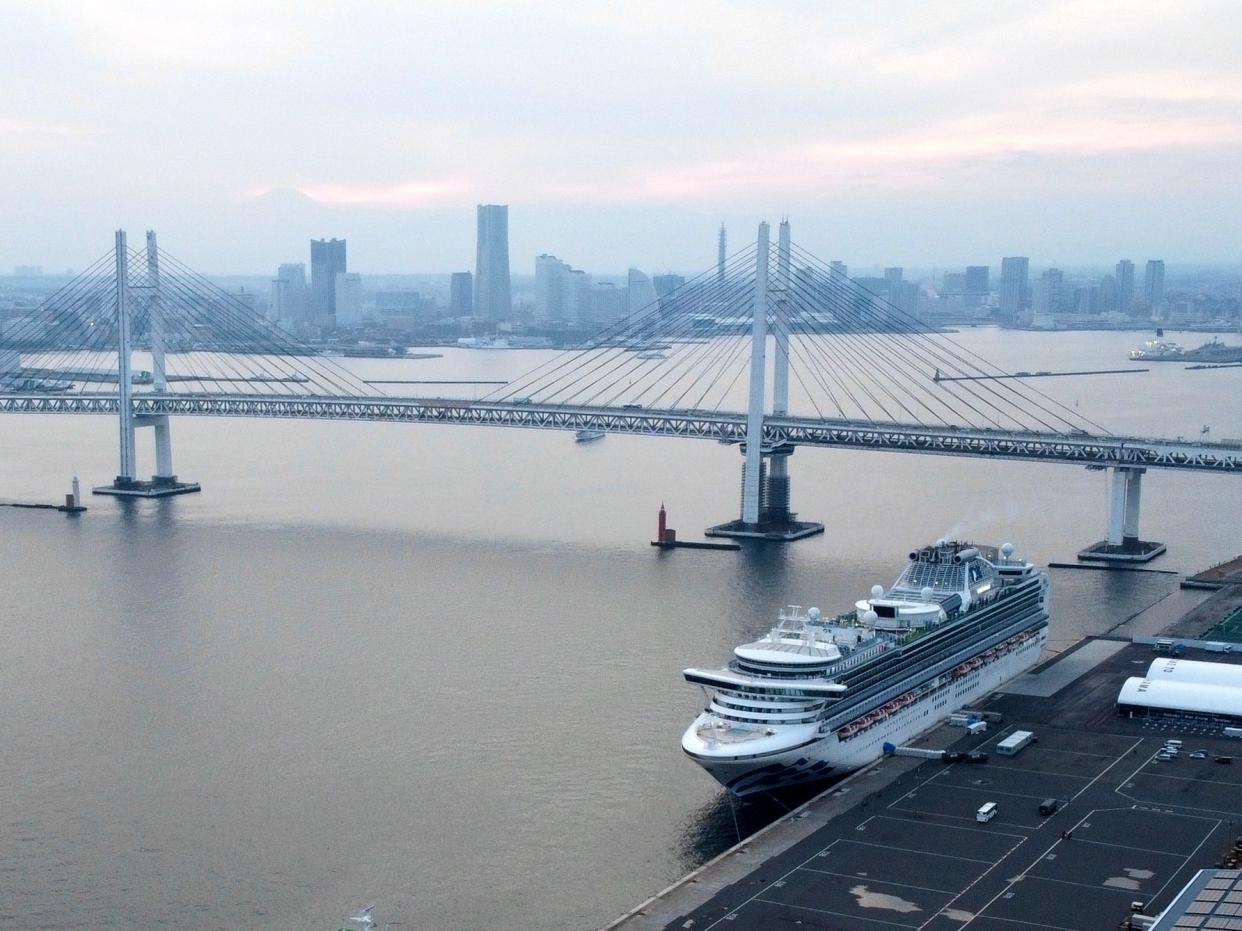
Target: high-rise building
point(640, 294)
point(562, 292)
point(576, 297)
point(977, 279)
point(1015, 270)
point(549, 288)
point(492, 299)
point(1153, 283)
point(461, 294)
point(902, 295)
point(667, 284)
point(1125, 286)
point(838, 268)
point(607, 303)
point(722, 250)
point(1087, 299)
point(289, 293)
point(348, 299)
point(953, 283)
point(1047, 298)
point(1107, 300)
point(872, 308)
point(327, 261)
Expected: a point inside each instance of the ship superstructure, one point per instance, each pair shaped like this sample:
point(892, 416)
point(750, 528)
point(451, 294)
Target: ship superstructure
point(816, 697)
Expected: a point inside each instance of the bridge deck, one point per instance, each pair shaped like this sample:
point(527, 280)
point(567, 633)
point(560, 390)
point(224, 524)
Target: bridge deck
point(725, 427)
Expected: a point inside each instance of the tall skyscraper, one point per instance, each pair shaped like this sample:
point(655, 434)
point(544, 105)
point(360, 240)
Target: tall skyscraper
point(1053, 291)
point(492, 299)
point(1153, 283)
point(722, 250)
point(1015, 271)
point(838, 270)
point(549, 288)
point(562, 292)
point(899, 295)
point(461, 294)
point(1125, 286)
point(640, 296)
point(1047, 297)
point(327, 261)
point(977, 279)
point(289, 293)
point(607, 303)
point(1107, 301)
point(576, 297)
point(348, 299)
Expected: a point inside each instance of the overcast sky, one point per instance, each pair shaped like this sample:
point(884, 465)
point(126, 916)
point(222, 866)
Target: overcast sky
point(621, 133)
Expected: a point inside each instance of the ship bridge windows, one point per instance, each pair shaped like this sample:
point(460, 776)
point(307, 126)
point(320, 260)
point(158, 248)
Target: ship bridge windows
point(779, 672)
point(768, 705)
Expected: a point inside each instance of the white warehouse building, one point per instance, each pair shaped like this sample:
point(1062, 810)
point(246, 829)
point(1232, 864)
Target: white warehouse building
point(1187, 670)
point(1185, 688)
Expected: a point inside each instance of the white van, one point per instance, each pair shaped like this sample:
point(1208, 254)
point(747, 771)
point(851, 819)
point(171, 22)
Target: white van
point(986, 812)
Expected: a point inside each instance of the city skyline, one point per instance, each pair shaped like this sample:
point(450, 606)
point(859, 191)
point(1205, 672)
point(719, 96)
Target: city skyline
point(1075, 125)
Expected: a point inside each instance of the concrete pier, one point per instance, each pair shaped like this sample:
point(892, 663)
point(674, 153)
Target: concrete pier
point(897, 844)
point(1123, 544)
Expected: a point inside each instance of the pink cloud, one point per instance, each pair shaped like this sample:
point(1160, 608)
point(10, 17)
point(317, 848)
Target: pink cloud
point(405, 194)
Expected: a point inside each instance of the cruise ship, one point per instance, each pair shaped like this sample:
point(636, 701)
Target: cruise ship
point(816, 698)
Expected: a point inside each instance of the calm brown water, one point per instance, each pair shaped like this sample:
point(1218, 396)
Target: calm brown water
point(438, 668)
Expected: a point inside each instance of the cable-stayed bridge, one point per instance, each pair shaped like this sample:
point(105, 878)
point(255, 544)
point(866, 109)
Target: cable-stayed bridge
point(771, 350)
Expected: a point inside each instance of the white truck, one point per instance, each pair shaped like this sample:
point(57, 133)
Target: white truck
point(1013, 744)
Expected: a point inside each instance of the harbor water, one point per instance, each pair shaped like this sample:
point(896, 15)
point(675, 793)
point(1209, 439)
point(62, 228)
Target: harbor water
point(438, 668)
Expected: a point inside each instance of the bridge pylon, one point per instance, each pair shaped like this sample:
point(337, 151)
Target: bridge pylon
point(164, 483)
point(765, 471)
point(1123, 544)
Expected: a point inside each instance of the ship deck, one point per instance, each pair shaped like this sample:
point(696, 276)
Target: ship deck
point(897, 845)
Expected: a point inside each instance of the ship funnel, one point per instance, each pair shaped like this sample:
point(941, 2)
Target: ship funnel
point(966, 555)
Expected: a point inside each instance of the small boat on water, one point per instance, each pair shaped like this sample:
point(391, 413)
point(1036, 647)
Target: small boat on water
point(588, 436)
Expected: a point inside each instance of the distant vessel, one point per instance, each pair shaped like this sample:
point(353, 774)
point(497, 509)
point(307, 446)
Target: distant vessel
point(1159, 350)
point(587, 436)
point(815, 697)
point(504, 342)
point(373, 352)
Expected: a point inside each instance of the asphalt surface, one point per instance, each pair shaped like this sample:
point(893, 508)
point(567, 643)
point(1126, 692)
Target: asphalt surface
point(911, 854)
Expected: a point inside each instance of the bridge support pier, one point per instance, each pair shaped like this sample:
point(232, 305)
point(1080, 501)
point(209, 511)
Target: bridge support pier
point(164, 483)
point(1124, 500)
point(765, 474)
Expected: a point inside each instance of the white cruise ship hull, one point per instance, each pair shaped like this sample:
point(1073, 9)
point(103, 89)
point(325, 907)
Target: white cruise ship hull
point(831, 754)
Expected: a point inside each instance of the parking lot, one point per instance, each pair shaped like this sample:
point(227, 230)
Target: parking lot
point(1128, 828)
